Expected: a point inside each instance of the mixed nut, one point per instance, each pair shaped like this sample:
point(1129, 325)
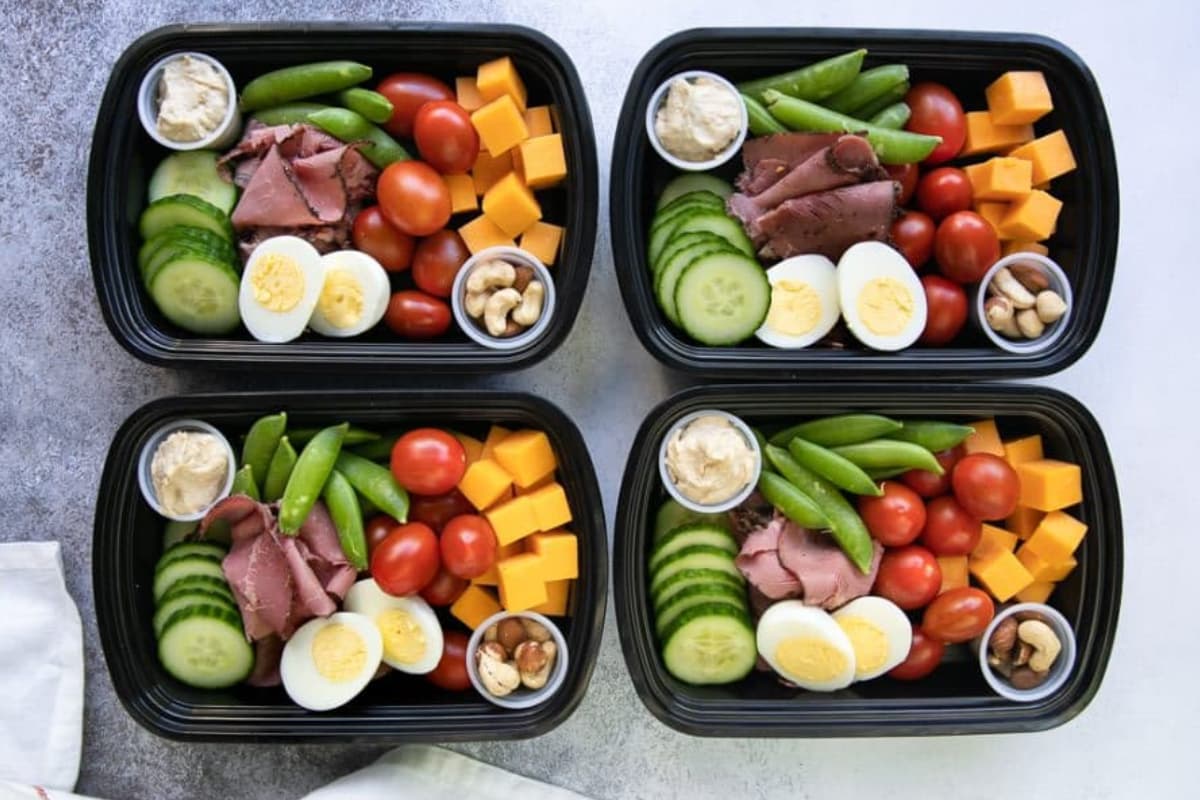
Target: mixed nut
point(1021, 303)
point(504, 298)
point(1023, 648)
point(515, 652)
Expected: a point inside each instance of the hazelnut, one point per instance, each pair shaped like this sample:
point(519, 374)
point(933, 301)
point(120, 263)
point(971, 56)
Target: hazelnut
point(511, 633)
point(1026, 678)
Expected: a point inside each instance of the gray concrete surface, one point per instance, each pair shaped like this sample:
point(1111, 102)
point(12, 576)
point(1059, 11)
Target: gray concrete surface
point(65, 385)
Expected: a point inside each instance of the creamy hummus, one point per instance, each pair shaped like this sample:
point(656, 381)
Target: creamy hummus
point(699, 119)
point(192, 100)
point(709, 460)
point(188, 471)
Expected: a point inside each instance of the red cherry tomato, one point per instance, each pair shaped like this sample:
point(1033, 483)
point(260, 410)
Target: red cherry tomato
point(377, 529)
point(468, 546)
point(406, 560)
point(986, 486)
point(416, 315)
point(923, 657)
point(909, 576)
point(894, 518)
point(444, 589)
point(958, 615)
point(930, 484)
point(949, 529)
point(413, 197)
point(437, 261)
point(451, 671)
point(408, 91)
point(912, 235)
point(936, 111)
point(428, 461)
point(965, 246)
point(382, 240)
point(445, 137)
point(947, 304)
point(943, 191)
point(906, 175)
point(436, 510)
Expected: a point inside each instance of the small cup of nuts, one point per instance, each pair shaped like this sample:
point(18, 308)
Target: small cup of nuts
point(1023, 303)
point(517, 659)
point(503, 298)
point(1027, 652)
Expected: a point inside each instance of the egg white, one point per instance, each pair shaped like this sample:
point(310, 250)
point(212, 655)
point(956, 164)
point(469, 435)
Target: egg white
point(270, 325)
point(872, 622)
point(816, 272)
point(302, 678)
point(859, 266)
point(372, 282)
point(786, 622)
point(366, 598)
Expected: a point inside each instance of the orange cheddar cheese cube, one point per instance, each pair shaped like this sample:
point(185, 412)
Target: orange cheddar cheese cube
point(472, 446)
point(1018, 98)
point(495, 79)
point(1024, 521)
point(462, 193)
point(1042, 569)
point(481, 233)
point(985, 439)
point(1057, 537)
point(488, 169)
point(539, 121)
point(993, 211)
point(1008, 247)
point(543, 162)
point(500, 125)
point(508, 494)
point(527, 455)
point(558, 595)
point(495, 435)
point(1033, 217)
point(542, 240)
point(503, 551)
point(1027, 448)
point(466, 93)
point(1002, 178)
point(1036, 592)
point(512, 520)
point(993, 539)
point(560, 554)
point(974, 176)
point(550, 506)
point(1001, 574)
point(985, 136)
point(1050, 155)
point(546, 481)
point(954, 572)
point(474, 606)
point(484, 483)
point(1049, 485)
point(521, 584)
point(511, 205)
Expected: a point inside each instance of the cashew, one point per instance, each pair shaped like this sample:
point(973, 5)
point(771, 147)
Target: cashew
point(1030, 325)
point(535, 662)
point(1031, 276)
point(999, 313)
point(499, 677)
point(1012, 289)
point(495, 312)
point(1050, 306)
point(481, 283)
point(531, 304)
point(1046, 645)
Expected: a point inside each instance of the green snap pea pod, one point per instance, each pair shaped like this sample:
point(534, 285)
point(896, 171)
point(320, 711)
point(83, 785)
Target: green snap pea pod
point(838, 430)
point(791, 502)
point(243, 483)
point(889, 453)
point(833, 468)
point(282, 464)
point(762, 448)
point(261, 442)
point(303, 80)
point(892, 147)
point(761, 121)
point(288, 113)
point(354, 435)
point(308, 478)
point(342, 501)
point(932, 435)
point(372, 105)
point(378, 450)
point(380, 149)
point(892, 96)
point(375, 483)
point(884, 473)
point(845, 525)
point(369, 509)
point(814, 82)
point(894, 116)
point(869, 85)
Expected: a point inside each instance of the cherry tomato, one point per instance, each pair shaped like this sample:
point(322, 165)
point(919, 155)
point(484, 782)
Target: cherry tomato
point(451, 671)
point(406, 560)
point(468, 546)
point(943, 191)
point(445, 137)
point(437, 261)
point(947, 304)
point(912, 235)
point(958, 615)
point(949, 529)
point(909, 576)
point(930, 484)
point(377, 529)
point(382, 240)
point(436, 510)
point(986, 486)
point(416, 315)
point(906, 175)
point(413, 197)
point(408, 91)
point(936, 111)
point(444, 589)
point(428, 461)
point(923, 657)
point(894, 518)
point(965, 246)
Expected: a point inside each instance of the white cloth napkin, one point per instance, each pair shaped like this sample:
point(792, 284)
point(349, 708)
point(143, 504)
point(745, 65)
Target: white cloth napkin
point(41, 661)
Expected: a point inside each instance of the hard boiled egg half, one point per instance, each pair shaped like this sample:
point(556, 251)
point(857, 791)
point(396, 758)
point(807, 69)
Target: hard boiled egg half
point(804, 302)
point(411, 633)
point(878, 631)
point(806, 646)
point(329, 660)
point(882, 300)
point(354, 297)
point(280, 286)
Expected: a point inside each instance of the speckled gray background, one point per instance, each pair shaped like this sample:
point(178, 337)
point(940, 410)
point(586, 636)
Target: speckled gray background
point(65, 386)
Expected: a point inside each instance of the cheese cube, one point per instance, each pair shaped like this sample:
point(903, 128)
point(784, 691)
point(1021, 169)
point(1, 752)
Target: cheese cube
point(954, 572)
point(1057, 538)
point(471, 445)
point(501, 125)
point(1001, 574)
point(993, 211)
point(1033, 217)
point(558, 594)
point(495, 79)
point(539, 121)
point(503, 551)
point(1009, 247)
point(1049, 485)
point(508, 494)
point(546, 481)
point(543, 162)
point(1041, 568)
point(474, 606)
point(521, 584)
point(1027, 448)
point(512, 520)
point(462, 193)
point(1002, 178)
point(488, 169)
point(484, 483)
point(550, 507)
point(467, 93)
point(985, 136)
point(481, 233)
point(511, 205)
point(1017, 98)
point(1050, 155)
point(541, 240)
point(974, 175)
point(985, 439)
point(1024, 521)
point(1036, 592)
point(527, 455)
point(495, 435)
point(560, 554)
point(993, 539)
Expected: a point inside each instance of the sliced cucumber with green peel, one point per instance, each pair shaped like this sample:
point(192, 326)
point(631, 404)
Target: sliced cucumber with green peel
point(166, 577)
point(691, 198)
point(694, 557)
point(200, 239)
point(711, 643)
point(694, 182)
point(719, 593)
point(184, 209)
point(175, 532)
point(197, 293)
point(688, 536)
point(722, 298)
point(678, 243)
point(667, 279)
point(719, 223)
point(671, 515)
point(193, 172)
point(198, 583)
point(204, 646)
point(663, 228)
point(180, 601)
point(188, 549)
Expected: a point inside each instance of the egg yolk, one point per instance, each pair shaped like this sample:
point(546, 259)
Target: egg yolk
point(795, 308)
point(869, 642)
point(885, 306)
point(403, 637)
point(339, 653)
point(278, 282)
point(341, 300)
point(810, 659)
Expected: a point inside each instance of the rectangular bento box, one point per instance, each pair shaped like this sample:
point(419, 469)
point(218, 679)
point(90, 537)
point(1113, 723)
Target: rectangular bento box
point(1085, 243)
point(123, 157)
point(955, 698)
point(128, 541)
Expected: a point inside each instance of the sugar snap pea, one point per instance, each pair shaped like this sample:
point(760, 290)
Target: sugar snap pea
point(883, 473)
point(890, 453)
point(867, 86)
point(288, 113)
point(813, 82)
point(308, 478)
point(380, 148)
point(372, 105)
point(892, 96)
point(298, 82)
point(354, 435)
point(379, 449)
point(760, 120)
point(282, 464)
point(838, 430)
point(375, 483)
point(833, 468)
point(342, 502)
point(762, 448)
point(894, 116)
point(791, 502)
point(261, 442)
point(243, 483)
point(932, 435)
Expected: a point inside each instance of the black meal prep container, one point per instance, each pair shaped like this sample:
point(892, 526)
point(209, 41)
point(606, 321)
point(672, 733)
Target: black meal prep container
point(128, 541)
point(955, 699)
point(123, 157)
point(1085, 244)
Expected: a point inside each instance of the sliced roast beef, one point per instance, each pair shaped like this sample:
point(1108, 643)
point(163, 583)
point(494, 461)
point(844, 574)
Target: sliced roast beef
point(829, 578)
point(759, 561)
point(267, 653)
point(262, 582)
point(751, 514)
point(326, 238)
point(274, 197)
point(765, 173)
point(325, 556)
point(828, 223)
point(790, 148)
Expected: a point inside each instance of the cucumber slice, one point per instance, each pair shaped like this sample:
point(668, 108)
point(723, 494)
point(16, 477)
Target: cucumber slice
point(199, 583)
point(710, 643)
point(722, 298)
point(719, 223)
point(197, 293)
point(721, 593)
point(188, 549)
point(184, 209)
point(175, 532)
point(182, 600)
point(204, 646)
point(166, 577)
point(175, 252)
point(700, 556)
point(692, 577)
point(662, 229)
point(707, 199)
point(688, 536)
point(694, 182)
point(200, 238)
point(666, 280)
point(672, 515)
point(193, 172)
point(677, 243)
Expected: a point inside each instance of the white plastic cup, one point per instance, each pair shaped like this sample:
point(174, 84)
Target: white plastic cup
point(659, 97)
point(223, 136)
point(1054, 331)
point(522, 697)
point(474, 329)
point(1059, 672)
point(146, 482)
point(736, 499)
